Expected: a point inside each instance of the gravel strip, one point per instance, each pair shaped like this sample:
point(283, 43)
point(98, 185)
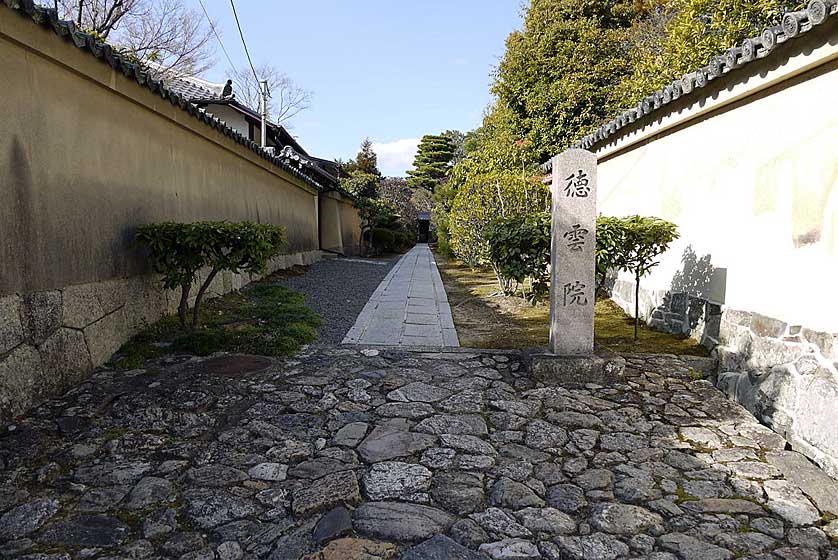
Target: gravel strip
point(338, 289)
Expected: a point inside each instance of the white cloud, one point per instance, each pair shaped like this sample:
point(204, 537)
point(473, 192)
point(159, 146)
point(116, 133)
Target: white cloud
point(394, 158)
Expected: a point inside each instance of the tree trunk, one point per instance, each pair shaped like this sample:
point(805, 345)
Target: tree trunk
point(636, 303)
point(183, 306)
point(196, 311)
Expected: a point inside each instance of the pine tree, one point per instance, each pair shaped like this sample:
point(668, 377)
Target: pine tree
point(432, 162)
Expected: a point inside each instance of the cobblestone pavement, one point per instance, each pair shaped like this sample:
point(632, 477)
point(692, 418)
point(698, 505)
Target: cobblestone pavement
point(348, 453)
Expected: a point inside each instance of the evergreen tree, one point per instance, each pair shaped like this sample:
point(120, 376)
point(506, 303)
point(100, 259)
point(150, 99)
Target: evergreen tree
point(367, 161)
point(432, 162)
point(559, 73)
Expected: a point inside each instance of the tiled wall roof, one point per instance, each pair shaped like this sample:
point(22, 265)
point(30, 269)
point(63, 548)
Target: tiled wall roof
point(793, 25)
point(48, 18)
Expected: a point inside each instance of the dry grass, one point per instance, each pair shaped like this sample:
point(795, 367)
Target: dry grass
point(485, 319)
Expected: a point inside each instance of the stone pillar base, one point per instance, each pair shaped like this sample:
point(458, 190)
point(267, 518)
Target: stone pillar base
point(602, 367)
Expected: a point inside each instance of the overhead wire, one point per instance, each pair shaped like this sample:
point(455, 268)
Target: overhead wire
point(244, 43)
point(217, 36)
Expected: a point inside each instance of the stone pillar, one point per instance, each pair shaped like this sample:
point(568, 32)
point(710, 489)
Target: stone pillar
point(573, 254)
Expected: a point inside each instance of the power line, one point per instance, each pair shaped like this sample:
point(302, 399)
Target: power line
point(241, 34)
point(217, 36)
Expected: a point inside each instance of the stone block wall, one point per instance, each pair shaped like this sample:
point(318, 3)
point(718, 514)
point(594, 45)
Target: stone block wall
point(53, 339)
point(785, 375)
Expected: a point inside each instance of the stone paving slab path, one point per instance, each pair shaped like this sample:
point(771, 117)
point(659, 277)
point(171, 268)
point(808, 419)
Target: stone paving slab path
point(364, 453)
point(409, 307)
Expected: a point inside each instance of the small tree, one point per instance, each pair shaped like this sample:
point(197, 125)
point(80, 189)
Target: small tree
point(644, 239)
point(610, 252)
point(373, 213)
point(180, 251)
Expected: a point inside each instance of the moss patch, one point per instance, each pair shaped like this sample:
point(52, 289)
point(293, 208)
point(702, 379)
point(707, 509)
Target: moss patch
point(485, 319)
point(262, 319)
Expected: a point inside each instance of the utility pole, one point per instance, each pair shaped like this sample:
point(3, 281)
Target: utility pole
point(263, 88)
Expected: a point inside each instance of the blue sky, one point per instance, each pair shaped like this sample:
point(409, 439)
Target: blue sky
point(391, 70)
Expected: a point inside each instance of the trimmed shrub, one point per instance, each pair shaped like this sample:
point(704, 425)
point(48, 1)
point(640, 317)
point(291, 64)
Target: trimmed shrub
point(482, 201)
point(519, 249)
point(383, 239)
point(179, 251)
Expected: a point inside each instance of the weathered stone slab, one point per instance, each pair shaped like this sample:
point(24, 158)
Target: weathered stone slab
point(509, 549)
point(418, 392)
point(106, 335)
point(26, 518)
point(150, 491)
point(211, 507)
point(336, 523)
point(573, 253)
point(470, 424)
point(820, 487)
point(786, 499)
point(351, 434)
point(396, 480)
point(11, 331)
point(65, 360)
point(85, 531)
point(399, 521)
point(623, 519)
point(357, 549)
point(577, 369)
point(596, 545)
point(460, 492)
point(385, 443)
point(723, 505)
point(87, 303)
point(40, 315)
point(439, 547)
point(339, 488)
point(18, 372)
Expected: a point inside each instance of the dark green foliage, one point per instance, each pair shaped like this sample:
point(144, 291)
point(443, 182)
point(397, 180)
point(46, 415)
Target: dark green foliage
point(644, 240)
point(383, 239)
point(610, 248)
point(365, 162)
point(559, 73)
point(180, 251)
point(458, 139)
point(679, 36)
point(361, 184)
point(519, 249)
point(432, 163)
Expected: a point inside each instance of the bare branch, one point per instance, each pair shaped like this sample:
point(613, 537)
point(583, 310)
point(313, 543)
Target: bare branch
point(287, 99)
point(165, 32)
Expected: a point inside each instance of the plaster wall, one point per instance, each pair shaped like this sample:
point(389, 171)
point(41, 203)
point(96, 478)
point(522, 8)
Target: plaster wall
point(234, 119)
point(754, 191)
point(350, 223)
point(747, 168)
point(86, 156)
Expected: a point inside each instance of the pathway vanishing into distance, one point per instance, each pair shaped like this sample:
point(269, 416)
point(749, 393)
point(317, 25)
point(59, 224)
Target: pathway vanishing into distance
point(409, 307)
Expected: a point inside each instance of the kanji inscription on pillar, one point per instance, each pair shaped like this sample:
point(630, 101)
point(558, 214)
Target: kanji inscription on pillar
point(573, 254)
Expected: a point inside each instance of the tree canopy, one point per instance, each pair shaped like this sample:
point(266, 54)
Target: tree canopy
point(432, 162)
point(167, 33)
point(679, 36)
